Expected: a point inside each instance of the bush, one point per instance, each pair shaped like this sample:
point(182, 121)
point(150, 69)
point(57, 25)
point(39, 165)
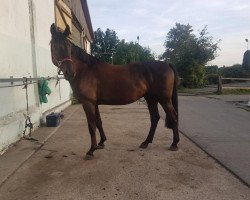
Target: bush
point(211, 79)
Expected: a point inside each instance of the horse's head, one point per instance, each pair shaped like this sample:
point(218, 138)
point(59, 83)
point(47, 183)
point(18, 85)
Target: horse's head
point(61, 52)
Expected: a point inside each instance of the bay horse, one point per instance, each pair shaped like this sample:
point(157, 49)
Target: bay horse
point(98, 83)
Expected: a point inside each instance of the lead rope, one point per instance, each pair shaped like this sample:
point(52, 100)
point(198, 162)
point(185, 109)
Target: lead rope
point(59, 83)
point(28, 123)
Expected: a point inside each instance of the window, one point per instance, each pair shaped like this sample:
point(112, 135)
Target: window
point(63, 15)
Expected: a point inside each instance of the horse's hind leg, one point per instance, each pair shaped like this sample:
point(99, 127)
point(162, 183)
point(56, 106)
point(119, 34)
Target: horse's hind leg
point(171, 122)
point(154, 118)
point(99, 126)
point(89, 109)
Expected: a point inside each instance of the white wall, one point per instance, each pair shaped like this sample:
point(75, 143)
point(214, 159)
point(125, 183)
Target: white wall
point(44, 15)
point(16, 60)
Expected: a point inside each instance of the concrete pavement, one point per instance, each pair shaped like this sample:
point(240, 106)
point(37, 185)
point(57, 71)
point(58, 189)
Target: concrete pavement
point(54, 168)
point(220, 128)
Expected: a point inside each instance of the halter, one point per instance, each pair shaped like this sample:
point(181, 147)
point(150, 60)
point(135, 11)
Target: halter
point(60, 62)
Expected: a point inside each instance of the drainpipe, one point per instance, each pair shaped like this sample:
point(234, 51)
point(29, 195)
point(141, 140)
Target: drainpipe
point(33, 46)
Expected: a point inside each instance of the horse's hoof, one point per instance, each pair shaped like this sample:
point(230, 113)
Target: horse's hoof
point(88, 157)
point(100, 146)
point(173, 148)
point(144, 145)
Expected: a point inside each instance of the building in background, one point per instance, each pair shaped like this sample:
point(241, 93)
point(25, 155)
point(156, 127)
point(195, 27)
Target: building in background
point(25, 52)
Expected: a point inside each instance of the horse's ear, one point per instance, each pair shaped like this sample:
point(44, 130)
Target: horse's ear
point(66, 31)
point(53, 29)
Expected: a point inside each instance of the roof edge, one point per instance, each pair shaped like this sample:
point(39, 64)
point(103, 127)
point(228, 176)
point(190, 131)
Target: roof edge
point(87, 17)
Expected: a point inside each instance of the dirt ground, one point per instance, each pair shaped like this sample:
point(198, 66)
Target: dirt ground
point(122, 170)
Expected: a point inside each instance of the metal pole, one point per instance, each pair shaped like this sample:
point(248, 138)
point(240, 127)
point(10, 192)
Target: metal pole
point(11, 79)
point(22, 81)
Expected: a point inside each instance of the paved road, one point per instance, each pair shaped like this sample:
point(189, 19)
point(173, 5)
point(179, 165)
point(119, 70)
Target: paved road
point(54, 168)
point(220, 128)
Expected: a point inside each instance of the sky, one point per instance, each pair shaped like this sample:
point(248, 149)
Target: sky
point(226, 20)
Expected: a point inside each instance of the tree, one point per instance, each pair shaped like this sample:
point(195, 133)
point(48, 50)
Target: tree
point(189, 53)
point(211, 73)
point(107, 44)
point(246, 61)
point(131, 52)
point(212, 69)
point(104, 44)
point(235, 71)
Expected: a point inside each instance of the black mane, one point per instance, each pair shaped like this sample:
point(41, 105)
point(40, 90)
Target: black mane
point(60, 38)
point(84, 56)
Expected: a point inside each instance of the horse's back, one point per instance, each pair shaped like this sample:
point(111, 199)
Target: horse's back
point(154, 69)
point(160, 77)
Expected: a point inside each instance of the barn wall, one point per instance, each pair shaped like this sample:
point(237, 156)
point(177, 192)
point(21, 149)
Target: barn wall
point(44, 17)
point(25, 52)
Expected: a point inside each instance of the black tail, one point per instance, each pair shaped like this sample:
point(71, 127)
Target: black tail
point(175, 93)
point(169, 123)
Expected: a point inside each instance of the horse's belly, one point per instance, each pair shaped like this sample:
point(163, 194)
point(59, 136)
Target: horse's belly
point(115, 102)
point(121, 92)
point(121, 97)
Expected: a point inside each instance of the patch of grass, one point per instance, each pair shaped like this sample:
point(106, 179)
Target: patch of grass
point(196, 91)
point(184, 90)
point(246, 109)
point(235, 91)
point(74, 101)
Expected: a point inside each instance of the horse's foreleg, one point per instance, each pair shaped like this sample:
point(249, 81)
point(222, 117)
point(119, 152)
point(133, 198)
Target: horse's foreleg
point(89, 109)
point(99, 126)
point(154, 118)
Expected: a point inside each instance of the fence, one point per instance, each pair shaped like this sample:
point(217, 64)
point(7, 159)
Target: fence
point(232, 86)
